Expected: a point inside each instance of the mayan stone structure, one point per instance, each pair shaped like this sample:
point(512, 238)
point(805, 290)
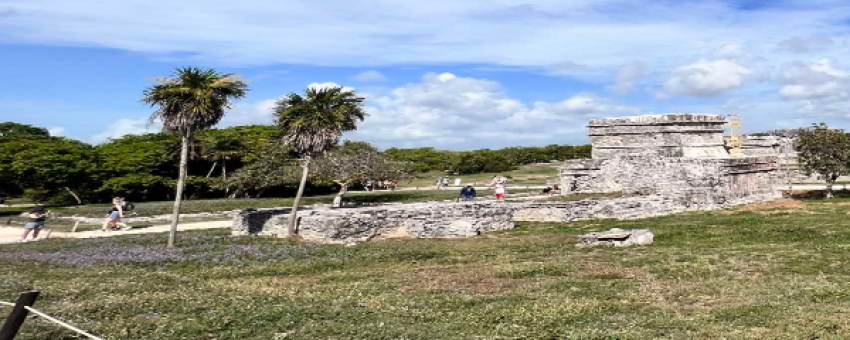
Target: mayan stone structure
point(661, 165)
point(679, 156)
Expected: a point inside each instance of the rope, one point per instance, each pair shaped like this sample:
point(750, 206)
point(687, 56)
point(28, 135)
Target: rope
point(54, 320)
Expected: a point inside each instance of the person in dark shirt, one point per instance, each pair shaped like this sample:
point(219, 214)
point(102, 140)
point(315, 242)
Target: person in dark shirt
point(468, 193)
point(35, 221)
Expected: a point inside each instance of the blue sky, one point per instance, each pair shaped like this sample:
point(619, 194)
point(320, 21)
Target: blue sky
point(449, 74)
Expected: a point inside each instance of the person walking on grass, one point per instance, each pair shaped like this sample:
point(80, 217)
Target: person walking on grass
point(113, 219)
point(35, 222)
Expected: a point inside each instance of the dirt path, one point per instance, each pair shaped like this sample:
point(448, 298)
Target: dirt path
point(12, 235)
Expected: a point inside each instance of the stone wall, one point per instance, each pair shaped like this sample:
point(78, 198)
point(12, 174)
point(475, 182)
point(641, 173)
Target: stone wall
point(444, 219)
point(459, 219)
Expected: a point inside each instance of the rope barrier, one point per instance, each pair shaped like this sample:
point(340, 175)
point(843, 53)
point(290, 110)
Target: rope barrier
point(56, 321)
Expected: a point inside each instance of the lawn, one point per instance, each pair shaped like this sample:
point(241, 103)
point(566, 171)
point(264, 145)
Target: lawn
point(216, 205)
point(777, 271)
point(531, 174)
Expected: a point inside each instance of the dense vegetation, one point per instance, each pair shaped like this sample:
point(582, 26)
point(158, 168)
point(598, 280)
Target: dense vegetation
point(232, 162)
point(771, 272)
point(478, 161)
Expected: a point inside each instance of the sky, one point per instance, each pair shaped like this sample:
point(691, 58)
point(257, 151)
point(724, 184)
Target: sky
point(443, 73)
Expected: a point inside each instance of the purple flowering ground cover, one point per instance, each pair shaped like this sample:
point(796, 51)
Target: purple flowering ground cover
point(198, 248)
point(777, 271)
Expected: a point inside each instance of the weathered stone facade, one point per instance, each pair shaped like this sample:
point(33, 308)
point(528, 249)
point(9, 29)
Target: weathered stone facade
point(688, 135)
point(676, 156)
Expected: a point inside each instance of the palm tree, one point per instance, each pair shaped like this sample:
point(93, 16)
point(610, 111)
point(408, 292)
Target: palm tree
point(313, 124)
point(193, 99)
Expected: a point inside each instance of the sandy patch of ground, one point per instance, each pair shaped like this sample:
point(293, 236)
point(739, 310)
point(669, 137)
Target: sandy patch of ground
point(12, 235)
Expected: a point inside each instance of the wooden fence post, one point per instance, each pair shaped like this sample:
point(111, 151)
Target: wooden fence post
point(18, 316)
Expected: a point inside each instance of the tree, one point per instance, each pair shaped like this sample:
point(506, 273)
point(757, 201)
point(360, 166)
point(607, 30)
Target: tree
point(357, 162)
point(51, 170)
point(275, 169)
point(11, 130)
point(192, 100)
point(826, 152)
point(313, 124)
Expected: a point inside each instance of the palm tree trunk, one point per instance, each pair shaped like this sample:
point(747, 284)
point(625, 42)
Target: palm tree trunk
point(211, 169)
point(829, 182)
point(343, 189)
point(181, 182)
point(223, 169)
point(77, 198)
point(293, 215)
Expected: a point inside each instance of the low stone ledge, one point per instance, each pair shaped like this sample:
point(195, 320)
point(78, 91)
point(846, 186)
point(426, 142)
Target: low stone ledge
point(462, 219)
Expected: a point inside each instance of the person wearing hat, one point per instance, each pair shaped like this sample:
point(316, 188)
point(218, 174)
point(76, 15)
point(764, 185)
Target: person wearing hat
point(35, 221)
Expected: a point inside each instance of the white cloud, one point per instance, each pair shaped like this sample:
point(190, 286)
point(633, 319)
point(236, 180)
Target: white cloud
point(369, 76)
point(628, 77)
point(821, 87)
point(806, 44)
point(707, 78)
point(731, 51)
point(590, 38)
point(445, 110)
point(261, 112)
point(124, 127)
point(56, 131)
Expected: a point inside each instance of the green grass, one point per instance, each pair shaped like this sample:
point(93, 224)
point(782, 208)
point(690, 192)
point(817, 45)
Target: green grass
point(774, 272)
point(532, 174)
point(215, 205)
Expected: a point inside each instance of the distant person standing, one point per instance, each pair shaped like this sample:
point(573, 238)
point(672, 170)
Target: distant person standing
point(468, 193)
point(35, 222)
point(113, 218)
point(500, 190)
point(457, 181)
point(439, 183)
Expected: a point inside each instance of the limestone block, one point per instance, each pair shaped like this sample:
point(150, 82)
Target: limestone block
point(616, 237)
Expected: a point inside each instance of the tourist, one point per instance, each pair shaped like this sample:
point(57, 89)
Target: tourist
point(500, 190)
point(468, 193)
point(457, 181)
point(35, 221)
point(113, 218)
point(439, 183)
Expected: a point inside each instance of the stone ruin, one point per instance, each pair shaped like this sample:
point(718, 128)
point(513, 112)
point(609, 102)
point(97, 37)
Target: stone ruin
point(682, 157)
point(661, 165)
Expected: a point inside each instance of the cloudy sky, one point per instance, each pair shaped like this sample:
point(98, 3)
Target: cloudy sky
point(444, 73)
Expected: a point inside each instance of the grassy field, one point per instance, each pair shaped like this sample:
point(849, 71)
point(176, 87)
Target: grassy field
point(532, 174)
point(214, 205)
point(776, 271)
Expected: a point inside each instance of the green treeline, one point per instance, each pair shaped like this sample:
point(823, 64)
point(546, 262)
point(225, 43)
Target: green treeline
point(478, 161)
point(231, 162)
